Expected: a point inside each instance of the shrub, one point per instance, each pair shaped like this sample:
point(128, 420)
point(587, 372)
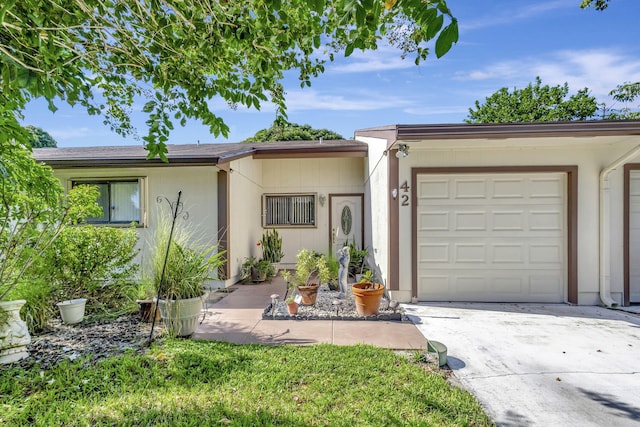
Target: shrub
point(96, 263)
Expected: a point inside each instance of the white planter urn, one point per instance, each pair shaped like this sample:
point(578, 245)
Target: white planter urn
point(180, 316)
point(14, 334)
point(72, 311)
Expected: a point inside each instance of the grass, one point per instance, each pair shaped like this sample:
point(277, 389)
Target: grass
point(196, 383)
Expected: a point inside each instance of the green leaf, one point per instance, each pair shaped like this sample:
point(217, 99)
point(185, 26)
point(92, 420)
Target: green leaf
point(148, 107)
point(446, 39)
point(349, 49)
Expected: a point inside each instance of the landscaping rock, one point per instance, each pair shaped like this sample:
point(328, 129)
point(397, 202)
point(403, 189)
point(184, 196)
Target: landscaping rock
point(96, 341)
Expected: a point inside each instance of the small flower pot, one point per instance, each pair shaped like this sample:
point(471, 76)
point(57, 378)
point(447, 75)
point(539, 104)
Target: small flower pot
point(72, 311)
point(147, 309)
point(292, 307)
point(367, 297)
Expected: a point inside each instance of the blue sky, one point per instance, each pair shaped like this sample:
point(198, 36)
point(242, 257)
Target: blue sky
point(503, 43)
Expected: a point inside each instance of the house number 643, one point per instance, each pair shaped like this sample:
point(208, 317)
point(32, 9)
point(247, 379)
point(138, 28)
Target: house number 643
point(404, 197)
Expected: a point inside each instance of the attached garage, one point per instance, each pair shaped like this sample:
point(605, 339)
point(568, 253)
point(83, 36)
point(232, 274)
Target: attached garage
point(632, 293)
point(491, 236)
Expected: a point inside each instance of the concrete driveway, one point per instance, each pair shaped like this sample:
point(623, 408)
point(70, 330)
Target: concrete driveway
point(546, 365)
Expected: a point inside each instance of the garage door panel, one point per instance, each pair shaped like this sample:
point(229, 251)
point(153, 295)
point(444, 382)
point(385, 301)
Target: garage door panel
point(508, 221)
point(492, 246)
point(465, 189)
point(546, 188)
point(634, 237)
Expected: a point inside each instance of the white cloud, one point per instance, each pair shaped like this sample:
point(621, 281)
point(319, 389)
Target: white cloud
point(513, 15)
point(310, 99)
point(598, 70)
point(385, 58)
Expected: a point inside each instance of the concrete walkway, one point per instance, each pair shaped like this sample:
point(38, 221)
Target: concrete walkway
point(237, 318)
point(544, 365)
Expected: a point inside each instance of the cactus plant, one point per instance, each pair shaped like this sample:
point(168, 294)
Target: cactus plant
point(271, 246)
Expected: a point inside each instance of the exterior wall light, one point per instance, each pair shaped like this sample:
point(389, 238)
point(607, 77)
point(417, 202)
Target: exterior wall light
point(403, 151)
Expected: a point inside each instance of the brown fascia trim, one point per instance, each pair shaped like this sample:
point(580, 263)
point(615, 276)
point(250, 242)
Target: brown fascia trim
point(516, 130)
point(311, 152)
point(385, 132)
point(114, 163)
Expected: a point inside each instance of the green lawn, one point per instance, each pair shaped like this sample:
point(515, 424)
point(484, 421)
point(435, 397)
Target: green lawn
point(194, 383)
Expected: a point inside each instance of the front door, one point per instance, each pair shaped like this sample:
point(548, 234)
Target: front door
point(346, 220)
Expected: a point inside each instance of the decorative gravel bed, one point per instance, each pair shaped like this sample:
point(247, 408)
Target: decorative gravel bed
point(325, 309)
point(95, 341)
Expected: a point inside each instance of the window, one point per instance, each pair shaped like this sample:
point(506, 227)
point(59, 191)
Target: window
point(294, 210)
point(120, 201)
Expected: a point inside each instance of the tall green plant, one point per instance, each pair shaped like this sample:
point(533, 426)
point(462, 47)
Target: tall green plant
point(33, 211)
point(189, 263)
point(271, 243)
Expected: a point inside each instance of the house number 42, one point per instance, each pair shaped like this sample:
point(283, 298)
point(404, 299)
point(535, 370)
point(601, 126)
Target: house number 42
point(404, 198)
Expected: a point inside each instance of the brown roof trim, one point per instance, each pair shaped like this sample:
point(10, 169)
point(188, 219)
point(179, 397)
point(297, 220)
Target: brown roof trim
point(502, 130)
point(518, 130)
point(195, 154)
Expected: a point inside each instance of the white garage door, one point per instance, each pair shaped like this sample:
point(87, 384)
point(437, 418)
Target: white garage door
point(634, 237)
point(492, 237)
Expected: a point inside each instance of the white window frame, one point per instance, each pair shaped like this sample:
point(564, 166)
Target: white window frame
point(290, 197)
point(109, 180)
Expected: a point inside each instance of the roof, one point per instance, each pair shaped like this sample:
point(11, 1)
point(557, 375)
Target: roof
point(503, 130)
point(196, 154)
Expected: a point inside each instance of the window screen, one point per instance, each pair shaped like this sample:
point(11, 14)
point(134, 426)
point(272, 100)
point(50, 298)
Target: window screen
point(290, 210)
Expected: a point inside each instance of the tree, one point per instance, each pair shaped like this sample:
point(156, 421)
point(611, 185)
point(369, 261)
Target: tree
point(33, 211)
point(292, 132)
point(598, 4)
point(535, 103)
point(178, 55)
point(39, 138)
point(626, 93)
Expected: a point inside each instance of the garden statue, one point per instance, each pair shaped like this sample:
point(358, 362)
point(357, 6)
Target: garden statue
point(343, 272)
point(14, 334)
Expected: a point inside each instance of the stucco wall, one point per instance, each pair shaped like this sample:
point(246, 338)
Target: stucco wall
point(376, 207)
point(591, 155)
point(322, 176)
point(199, 197)
point(245, 188)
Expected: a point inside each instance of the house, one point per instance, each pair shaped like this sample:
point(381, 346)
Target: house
point(529, 212)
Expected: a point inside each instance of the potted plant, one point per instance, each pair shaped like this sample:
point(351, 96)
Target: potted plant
point(292, 305)
point(179, 279)
point(334, 268)
point(311, 271)
point(32, 214)
point(271, 244)
point(147, 300)
point(367, 294)
point(255, 270)
point(357, 260)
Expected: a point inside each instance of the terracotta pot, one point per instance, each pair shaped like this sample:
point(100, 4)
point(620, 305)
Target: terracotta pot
point(308, 294)
point(367, 297)
point(292, 307)
point(147, 308)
